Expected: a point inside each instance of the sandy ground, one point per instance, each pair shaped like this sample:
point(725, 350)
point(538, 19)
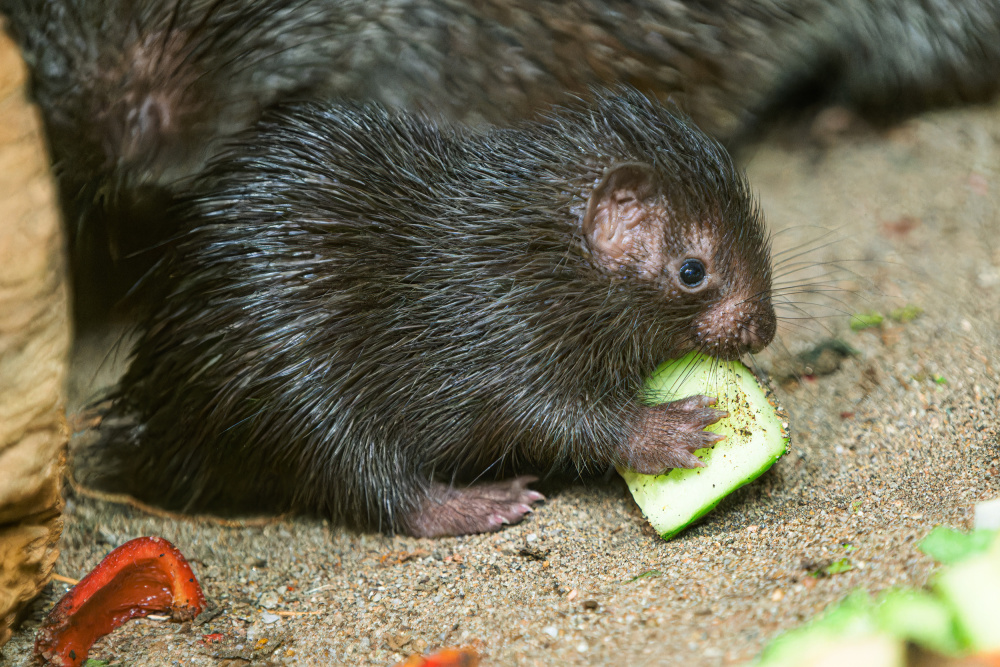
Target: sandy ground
point(902, 438)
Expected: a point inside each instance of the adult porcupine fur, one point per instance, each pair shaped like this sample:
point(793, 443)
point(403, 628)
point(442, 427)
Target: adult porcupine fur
point(138, 93)
point(369, 310)
point(136, 96)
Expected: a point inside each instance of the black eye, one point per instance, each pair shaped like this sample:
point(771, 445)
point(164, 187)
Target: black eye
point(692, 272)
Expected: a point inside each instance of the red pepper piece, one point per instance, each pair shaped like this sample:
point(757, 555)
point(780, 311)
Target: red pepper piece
point(449, 657)
point(143, 576)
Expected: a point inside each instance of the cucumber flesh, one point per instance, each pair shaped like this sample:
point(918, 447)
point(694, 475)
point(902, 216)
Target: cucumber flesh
point(972, 589)
point(755, 438)
point(918, 617)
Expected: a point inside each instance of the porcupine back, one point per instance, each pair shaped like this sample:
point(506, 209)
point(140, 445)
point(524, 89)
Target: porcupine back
point(364, 300)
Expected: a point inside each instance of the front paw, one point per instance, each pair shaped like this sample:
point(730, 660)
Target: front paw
point(667, 435)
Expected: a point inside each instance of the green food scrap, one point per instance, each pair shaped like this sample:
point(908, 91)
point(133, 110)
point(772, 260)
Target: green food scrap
point(861, 321)
point(959, 616)
point(919, 617)
point(971, 589)
point(819, 571)
point(947, 545)
point(906, 314)
point(839, 566)
point(853, 621)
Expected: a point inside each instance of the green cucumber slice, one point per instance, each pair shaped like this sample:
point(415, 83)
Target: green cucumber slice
point(755, 438)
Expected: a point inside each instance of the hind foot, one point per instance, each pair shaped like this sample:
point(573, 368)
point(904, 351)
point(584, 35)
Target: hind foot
point(480, 508)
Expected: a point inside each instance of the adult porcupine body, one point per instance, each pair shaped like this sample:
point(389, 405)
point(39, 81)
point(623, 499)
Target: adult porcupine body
point(368, 311)
point(136, 96)
point(139, 93)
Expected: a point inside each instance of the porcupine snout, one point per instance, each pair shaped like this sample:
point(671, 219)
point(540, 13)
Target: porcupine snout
point(736, 326)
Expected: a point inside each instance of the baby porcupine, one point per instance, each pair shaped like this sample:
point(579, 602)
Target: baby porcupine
point(369, 310)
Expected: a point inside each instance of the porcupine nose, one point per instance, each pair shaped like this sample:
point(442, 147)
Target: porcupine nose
point(735, 327)
point(757, 332)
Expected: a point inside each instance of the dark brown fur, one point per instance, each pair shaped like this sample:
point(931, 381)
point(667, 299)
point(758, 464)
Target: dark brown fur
point(140, 93)
point(370, 310)
point(136, 96)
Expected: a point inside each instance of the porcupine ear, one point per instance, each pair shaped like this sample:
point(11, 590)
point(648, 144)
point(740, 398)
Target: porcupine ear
point(623, 225)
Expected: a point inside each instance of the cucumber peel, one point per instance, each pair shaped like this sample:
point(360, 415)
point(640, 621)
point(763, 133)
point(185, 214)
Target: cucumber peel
point(755, 438)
